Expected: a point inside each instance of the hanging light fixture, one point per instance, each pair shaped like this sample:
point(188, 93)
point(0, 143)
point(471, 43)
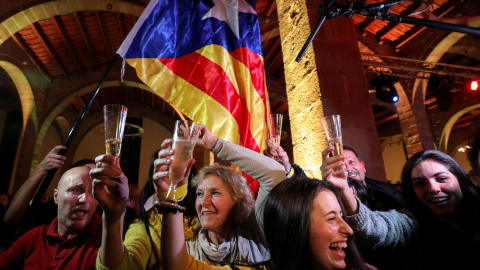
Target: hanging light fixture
point(385, 91)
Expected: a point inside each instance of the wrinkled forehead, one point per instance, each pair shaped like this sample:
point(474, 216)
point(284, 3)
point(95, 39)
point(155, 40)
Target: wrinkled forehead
point(75, 177)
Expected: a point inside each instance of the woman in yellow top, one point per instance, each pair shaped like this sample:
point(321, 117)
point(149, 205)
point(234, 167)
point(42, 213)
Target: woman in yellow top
point(226, 238)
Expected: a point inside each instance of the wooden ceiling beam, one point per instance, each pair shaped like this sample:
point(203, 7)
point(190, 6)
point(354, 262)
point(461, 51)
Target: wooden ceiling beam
point(42, 38)
point(363, 25)
point(134, 20)
point(85, 39)
point(416, 30)
point(24, 46)
point(386, 119)
point(272, 54)
point(104, 37)
point(275, 32)
point(61, 30)
point(391, 25)
point(382, 113)
point(455, 127)
point(120, 25)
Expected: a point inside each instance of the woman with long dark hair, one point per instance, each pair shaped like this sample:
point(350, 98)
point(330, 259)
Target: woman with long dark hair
point(440, 194)
point(305, 227)
point(444, 202)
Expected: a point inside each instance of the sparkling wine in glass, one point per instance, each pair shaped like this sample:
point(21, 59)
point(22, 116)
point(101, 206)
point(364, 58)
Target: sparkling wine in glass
point(184, 138)
point(337, 146)
point(114, 116)
point(275, 129)
point(333, 132)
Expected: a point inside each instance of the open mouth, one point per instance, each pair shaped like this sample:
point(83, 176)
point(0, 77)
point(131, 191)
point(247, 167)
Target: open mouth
point(206, 213)
point(352, 173)
point(337, 248)
point(440, 200)
point(80, 213)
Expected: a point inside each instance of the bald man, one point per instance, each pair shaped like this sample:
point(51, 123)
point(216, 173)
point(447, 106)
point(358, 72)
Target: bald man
point(73, 238)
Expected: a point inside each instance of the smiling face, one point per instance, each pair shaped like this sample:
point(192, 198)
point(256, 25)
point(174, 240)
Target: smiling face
point(356, 168)
point(436, 187)
point(76, 204)
point(328, 232)
point(214, 206)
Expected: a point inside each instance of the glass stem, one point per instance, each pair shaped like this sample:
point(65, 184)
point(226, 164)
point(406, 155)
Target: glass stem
point(174, 190)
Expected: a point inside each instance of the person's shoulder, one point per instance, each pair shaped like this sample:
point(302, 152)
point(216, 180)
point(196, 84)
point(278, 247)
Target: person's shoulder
point(372, 183)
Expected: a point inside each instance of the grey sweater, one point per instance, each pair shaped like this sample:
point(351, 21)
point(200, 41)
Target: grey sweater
point(382, 229)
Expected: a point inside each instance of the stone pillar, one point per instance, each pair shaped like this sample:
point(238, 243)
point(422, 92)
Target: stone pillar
point(333, 61)
point(303, 89)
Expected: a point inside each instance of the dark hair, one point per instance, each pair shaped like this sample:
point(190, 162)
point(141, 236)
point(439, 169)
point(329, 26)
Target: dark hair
point(469, 190)
point(348, 148)
point(362, 192)
point(82, 162)
point(287, 222)
point(148, 190)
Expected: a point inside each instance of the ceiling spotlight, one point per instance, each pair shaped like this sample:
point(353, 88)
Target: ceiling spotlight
point(386, 92)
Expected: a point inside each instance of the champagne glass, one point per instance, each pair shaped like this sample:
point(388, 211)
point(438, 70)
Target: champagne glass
point(184, 137)
point(275, 129)
point(332, 127)
point(114, 116)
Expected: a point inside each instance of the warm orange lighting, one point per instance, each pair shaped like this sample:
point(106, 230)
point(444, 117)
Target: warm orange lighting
point(303, 89)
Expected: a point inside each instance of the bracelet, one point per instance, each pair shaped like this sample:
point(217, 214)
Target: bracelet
point(214, 145)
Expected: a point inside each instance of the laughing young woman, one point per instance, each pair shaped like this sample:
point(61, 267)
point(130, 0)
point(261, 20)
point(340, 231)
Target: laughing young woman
point(445, 233)
point(305, 227)
point(446, 204)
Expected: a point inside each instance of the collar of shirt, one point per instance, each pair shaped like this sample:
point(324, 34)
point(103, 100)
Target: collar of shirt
point(91, 229)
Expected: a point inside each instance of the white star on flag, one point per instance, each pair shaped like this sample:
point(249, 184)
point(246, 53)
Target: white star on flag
point(227, 11)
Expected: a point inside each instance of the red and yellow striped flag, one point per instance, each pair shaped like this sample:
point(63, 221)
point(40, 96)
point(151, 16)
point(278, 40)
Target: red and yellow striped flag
point(207, 61)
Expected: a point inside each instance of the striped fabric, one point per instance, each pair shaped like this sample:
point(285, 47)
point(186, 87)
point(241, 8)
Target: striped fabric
point(206, 60)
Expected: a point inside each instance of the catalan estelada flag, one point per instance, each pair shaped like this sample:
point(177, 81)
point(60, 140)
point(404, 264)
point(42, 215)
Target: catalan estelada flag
point(205, 58)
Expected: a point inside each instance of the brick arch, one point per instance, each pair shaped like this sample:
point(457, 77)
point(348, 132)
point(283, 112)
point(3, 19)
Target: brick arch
point(47, 10)
point(68, 100)
point(446, 128)
point(27, 100)
point(418, 98)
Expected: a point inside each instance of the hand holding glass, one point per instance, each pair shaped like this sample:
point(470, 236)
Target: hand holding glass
point(275, 129)
point(184, 137)
point(114, 116)
point(333, 132)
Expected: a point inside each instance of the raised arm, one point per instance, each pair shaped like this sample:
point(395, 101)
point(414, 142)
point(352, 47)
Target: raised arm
point(333, 170)
point(110, 189)
point(267, 171)
point(20, 201)
point(373, 228)
point(383, 229)
point(278, 155)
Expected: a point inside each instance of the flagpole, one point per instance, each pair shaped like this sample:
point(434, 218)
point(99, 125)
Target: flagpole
point(51, 173)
